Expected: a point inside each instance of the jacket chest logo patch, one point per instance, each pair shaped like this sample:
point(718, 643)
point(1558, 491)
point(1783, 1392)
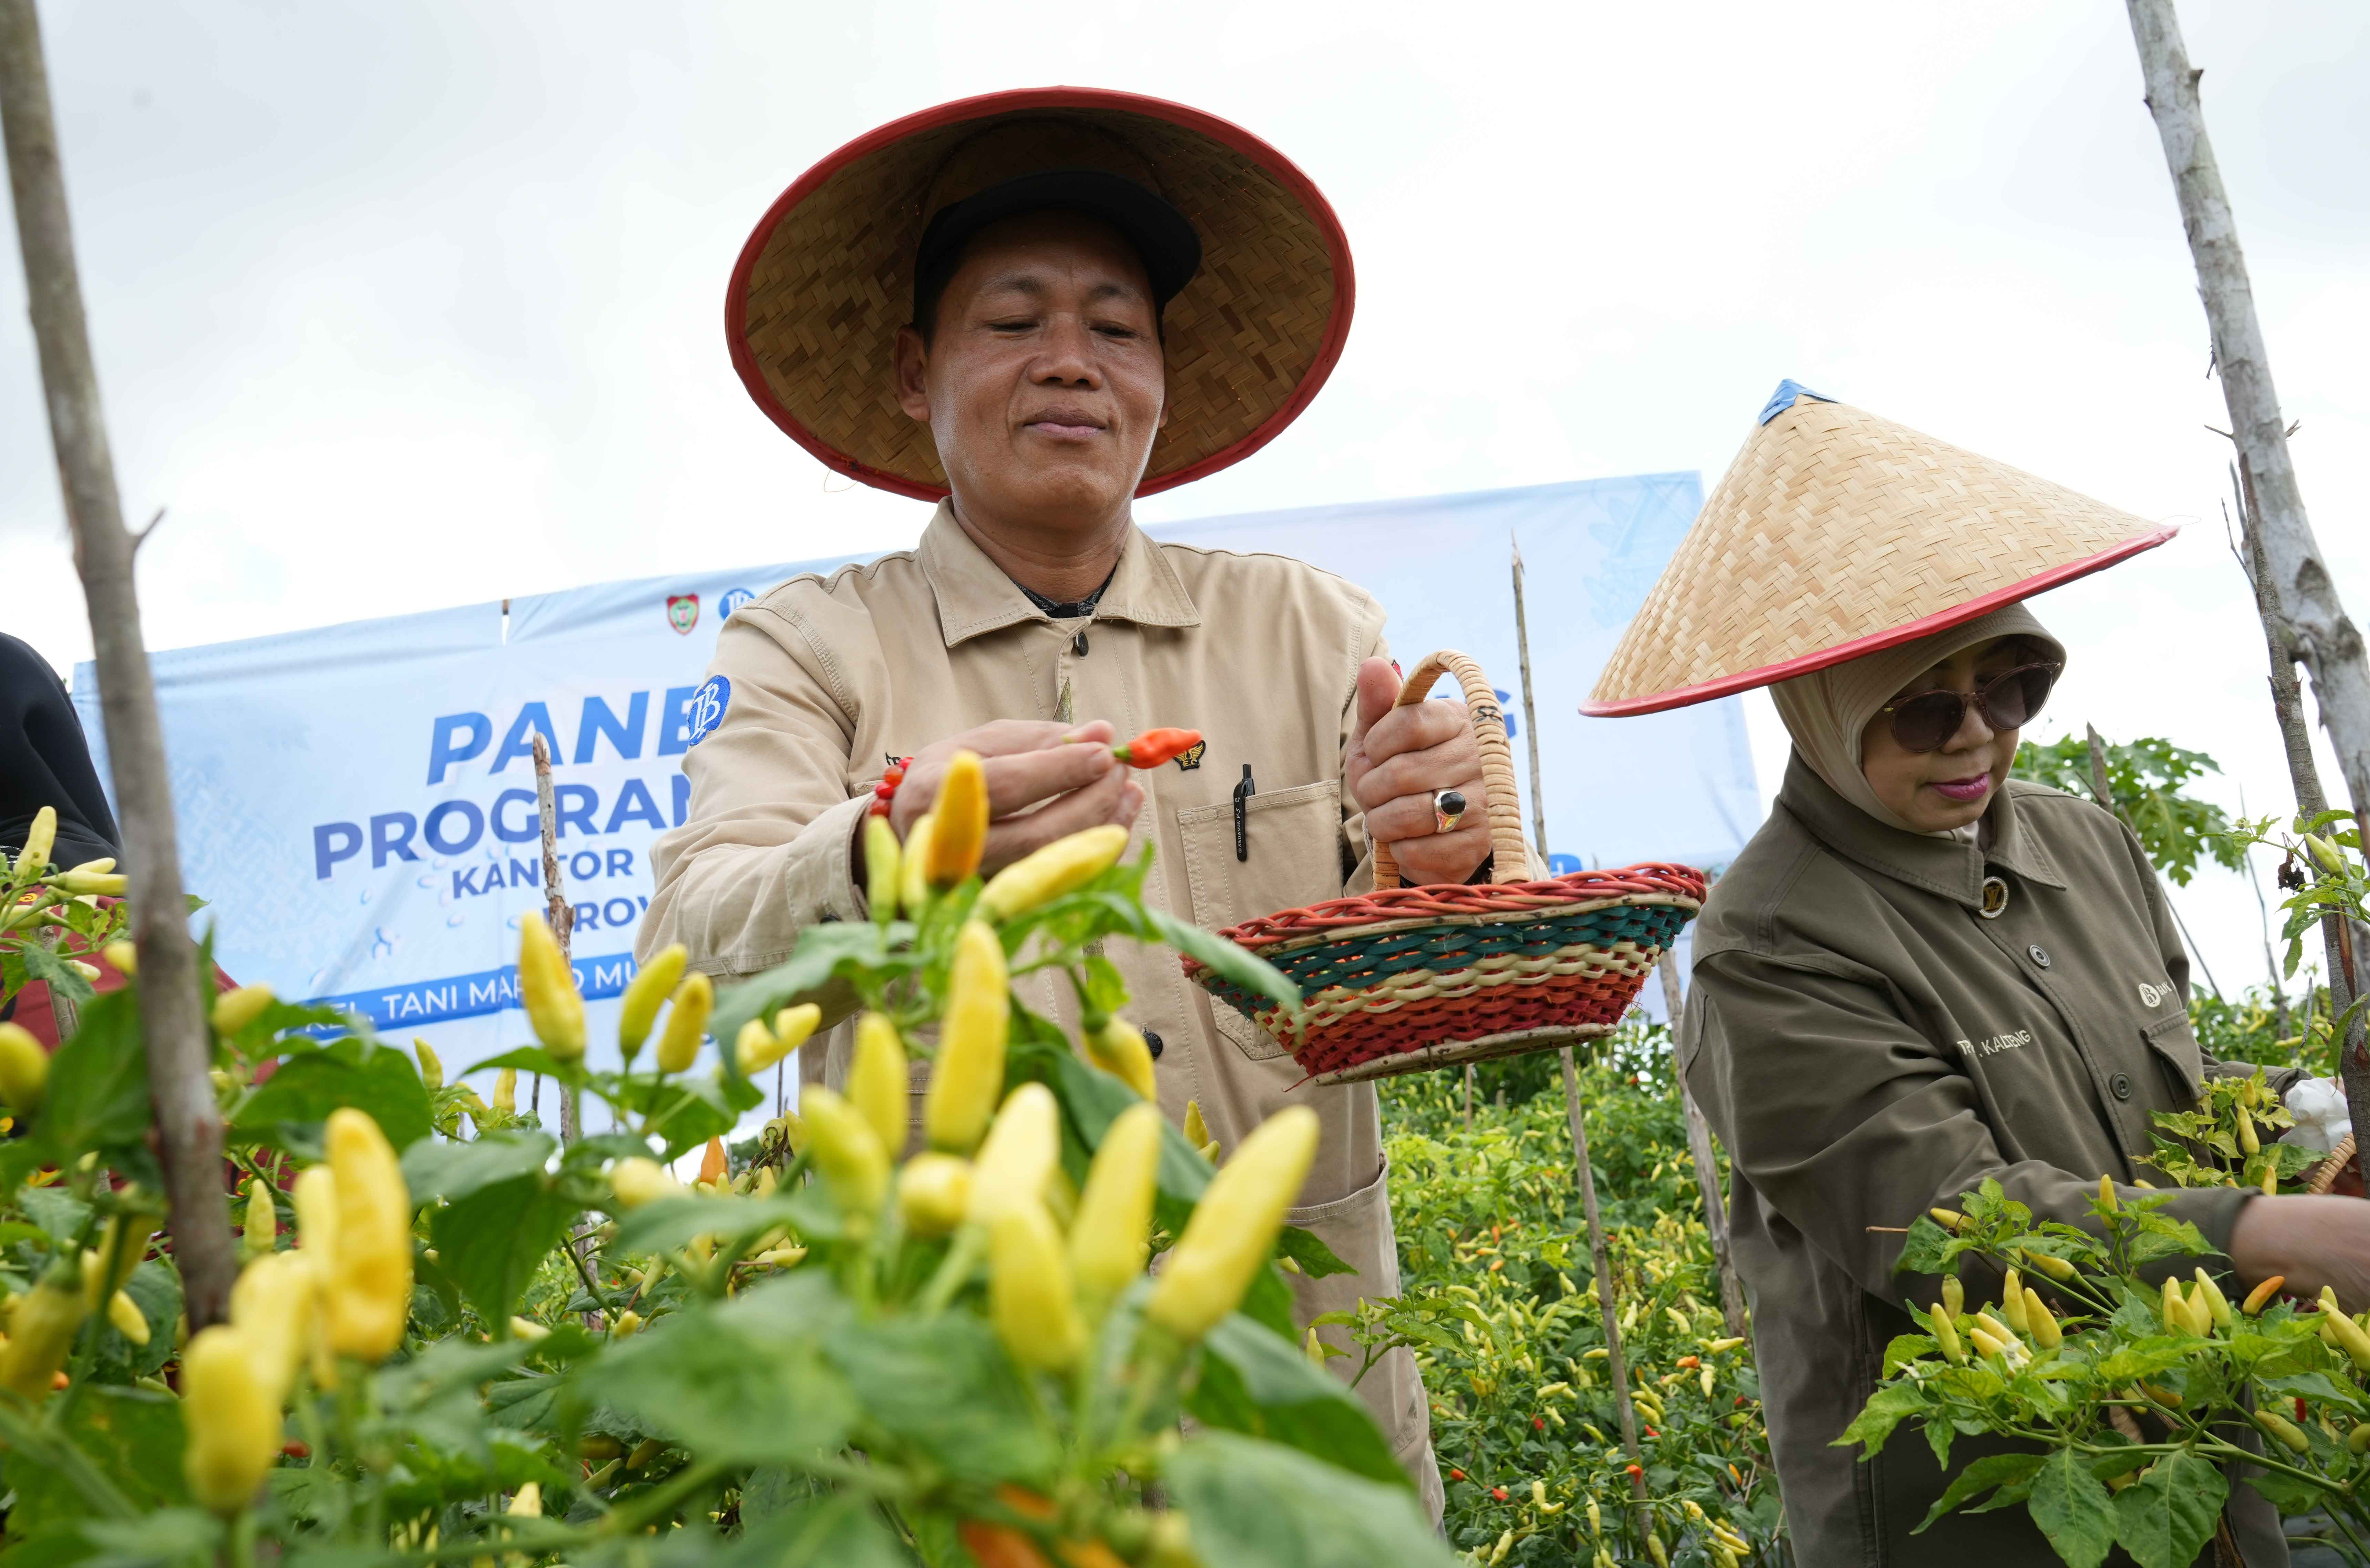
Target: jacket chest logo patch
point(1191, 757)
point(1996, 1044)
point(2152, 995)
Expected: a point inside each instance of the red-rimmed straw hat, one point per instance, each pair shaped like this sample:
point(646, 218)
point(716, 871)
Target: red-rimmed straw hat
point(1837, 533)
point(826, 278)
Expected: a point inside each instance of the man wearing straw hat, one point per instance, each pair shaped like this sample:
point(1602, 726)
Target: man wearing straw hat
point(1030, 308)
point(1922, 976)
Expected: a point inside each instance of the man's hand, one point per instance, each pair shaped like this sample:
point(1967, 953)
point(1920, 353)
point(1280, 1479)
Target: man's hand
point(1397, 757)
point(2314, 1242)
point(1077, 785)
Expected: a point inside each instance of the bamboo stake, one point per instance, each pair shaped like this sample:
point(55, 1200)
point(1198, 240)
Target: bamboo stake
point(2322, 636)
point(1707, 1162)
point(1614, 1364)
point(558, 911)
point(188, 1126)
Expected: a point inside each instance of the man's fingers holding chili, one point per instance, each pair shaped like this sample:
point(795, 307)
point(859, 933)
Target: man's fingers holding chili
point(1114, 797)
point(1025, 761)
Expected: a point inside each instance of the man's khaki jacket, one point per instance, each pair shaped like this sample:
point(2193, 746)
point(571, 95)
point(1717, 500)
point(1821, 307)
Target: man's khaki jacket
point(832, 678)
point(1869, 1046)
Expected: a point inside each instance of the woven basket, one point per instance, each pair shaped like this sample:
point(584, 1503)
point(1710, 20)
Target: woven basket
point(1406, 979)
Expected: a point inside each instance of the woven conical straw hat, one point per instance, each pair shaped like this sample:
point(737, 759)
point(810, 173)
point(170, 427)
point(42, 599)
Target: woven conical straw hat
point(826, 278)
point(1837, 533)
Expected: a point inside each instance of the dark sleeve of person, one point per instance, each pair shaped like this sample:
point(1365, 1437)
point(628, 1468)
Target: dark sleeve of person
point(45, 761)
point(1850, 1123)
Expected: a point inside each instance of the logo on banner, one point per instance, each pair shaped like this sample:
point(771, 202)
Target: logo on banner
point(682, 611)
point(707, 706)
point(733, 599)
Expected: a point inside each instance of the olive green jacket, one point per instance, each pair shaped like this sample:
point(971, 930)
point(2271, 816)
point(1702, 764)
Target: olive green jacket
point(1869, 1045)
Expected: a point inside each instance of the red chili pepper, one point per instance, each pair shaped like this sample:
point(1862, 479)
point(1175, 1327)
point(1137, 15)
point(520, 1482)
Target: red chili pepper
point(1538, 1423)
point(1498, 1492)
point(1690, 1362)
point(1456, 1474)
point(295, 1451)
point(1633, 1471)
point(1651, 1433)
point(2300, 1411)
point(1156, 746)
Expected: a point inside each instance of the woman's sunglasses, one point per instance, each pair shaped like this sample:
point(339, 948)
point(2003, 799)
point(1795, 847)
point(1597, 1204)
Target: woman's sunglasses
point(2008, 702)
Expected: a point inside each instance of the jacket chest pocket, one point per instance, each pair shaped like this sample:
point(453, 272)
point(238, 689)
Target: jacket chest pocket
point(1291, 856)
point(2173, 1046)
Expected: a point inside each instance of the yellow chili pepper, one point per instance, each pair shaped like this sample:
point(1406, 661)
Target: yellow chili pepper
point(637, 1181)
point(627, 1324)
point(2325, 853)
point(231, 1411)
point(1029, 1289)
point(370, 1275)
point(958, 833)
point(233, 1010)
point(2217, 1306)
point(506, 1092)
point(1112, 1238)
point(34, 857)
point(1061, 867)
point(432, 1066)
point(652, 983)
point(2054, 1267)
point(2261, 1295)
point(1121, 1049)
point(2039, 1323)
point(933, 1192)
point(276, 1303)
point(41, 1331)
point(1234, 1227)
point(753, 1048)
point(686, 1023)
point(528, 1503)
point(2108, 1202)
point(2012, 1304)
point(2358, 1441)
point(24, 1069)
point(547, 989)
point(2281, 1428)
point(261, 1231)
point(2350, 1339)
point(968, 1077)
point(1986, 1343)
point(123, 954)
point(1197, 1131)
point(93, 885)
point(1020, 1153)
point(1954, 1294)
point(128, 1320)
point(1948, 1219)
point(119, 1262)
point(2271, 1178)
point(2175, 1310)
point(2248, 1142)
point(879, 1083)
point(850, 1152)
point(881, 862)
point(790, 1030)
point(913, 864)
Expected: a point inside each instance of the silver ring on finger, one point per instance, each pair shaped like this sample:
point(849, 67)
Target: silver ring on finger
point(1447, 810)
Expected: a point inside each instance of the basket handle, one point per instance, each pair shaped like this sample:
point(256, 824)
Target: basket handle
point(1506, 842)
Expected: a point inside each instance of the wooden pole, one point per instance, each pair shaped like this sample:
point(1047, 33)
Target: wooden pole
point(1614, 1366)
point(558, 912)
point(1707, 1162)
point(188, 1125)
point(2322, 635)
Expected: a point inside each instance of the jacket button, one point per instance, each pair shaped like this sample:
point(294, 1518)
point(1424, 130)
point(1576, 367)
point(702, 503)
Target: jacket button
point(2122, 1084)
point(1152, 1042)
point(2039, 955)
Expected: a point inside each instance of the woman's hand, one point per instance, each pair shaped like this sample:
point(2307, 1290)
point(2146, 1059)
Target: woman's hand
point(2314, 1242)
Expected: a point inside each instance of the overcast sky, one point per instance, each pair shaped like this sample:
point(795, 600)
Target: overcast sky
point(401, 307)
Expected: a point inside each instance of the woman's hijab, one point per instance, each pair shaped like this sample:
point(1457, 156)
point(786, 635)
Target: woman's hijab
point(45, 761)
point(1828, 711)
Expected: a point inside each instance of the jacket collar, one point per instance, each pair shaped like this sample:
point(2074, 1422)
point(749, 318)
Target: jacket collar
point(976, 596)
point(1950, 867)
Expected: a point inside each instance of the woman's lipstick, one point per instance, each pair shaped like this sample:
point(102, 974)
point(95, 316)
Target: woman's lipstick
point(1965, 790)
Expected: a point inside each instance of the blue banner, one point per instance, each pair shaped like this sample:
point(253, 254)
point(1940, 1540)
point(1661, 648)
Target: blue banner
point(358, 804)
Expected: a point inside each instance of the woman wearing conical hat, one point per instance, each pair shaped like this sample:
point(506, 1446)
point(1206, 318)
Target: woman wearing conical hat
point(1920, 975)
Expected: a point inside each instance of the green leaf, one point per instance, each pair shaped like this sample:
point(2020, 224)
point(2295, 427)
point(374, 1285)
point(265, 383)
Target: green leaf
point(687, 1111)
point(1885, 1409)
point(828, 1532)
point(668, 1223)
point(65, 981)
point(2165, 1519)
point(1991, 1470)
point(1241, 965)
point(1255, 1504)
point(99, 1083)
point(1308, 1250)
point(1263, 1385)
point(823, 953)
point(2073, 1509)
point(527, 1059)
point(945, 1386)
point(491, 1242)
point(745, 1383)
point(306, 1089)
point(129, 1435)
point(168, 1536)
point(450, 1171)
